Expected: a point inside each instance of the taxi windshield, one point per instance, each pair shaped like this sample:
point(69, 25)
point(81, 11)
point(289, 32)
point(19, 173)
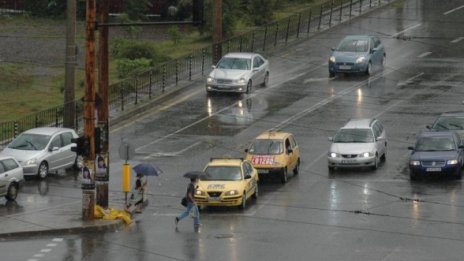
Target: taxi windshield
point(223, 173)
point(266, 147)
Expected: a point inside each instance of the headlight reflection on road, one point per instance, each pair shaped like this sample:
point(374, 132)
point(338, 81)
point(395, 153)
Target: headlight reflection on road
point(209, 107)
point(359, 99)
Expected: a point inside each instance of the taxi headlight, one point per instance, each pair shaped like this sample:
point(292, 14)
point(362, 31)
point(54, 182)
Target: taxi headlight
point(452, 162)
point(332, 59)
point(414, 163)
point(200, 193)
point(366, 155)
point(210, 79)
point(333, 155)
point(361, 59)
point(31, 161)
point(231, 193)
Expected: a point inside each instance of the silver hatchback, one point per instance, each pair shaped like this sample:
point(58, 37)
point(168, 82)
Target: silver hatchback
point(11, 176)
point(360, 143)
point(42, 150)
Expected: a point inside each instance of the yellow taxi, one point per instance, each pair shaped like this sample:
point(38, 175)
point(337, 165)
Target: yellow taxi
point(230, 182)
point(275, 153)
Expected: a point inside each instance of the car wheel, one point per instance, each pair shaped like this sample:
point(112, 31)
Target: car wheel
point(284, 176)
point(78, 163)
point(384, 156)
point(43, 170)
point(248, 88)
point(266, 80)
point(459, 174)
point(369, 69)
point(244, 199)
point(331, 169)
point(384, 60)
point(256, 194)
point(331, 74)
point(296, 170)
point(12, 192)
point(376, 162)
point(412, 175)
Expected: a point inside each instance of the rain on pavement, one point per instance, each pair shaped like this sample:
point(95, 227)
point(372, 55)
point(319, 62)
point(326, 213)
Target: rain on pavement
point(345, 215)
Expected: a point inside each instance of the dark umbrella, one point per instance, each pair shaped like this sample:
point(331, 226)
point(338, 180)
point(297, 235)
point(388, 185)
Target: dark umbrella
point(195, 175)
point(147, 169)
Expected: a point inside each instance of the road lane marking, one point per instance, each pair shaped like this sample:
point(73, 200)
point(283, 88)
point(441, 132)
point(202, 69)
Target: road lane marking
point(45, 250)
point(407, 29)
point(453, 10)
point(51, 245)
point(457, 40)
point(57, 239)
point(172, 154)
point(422, 55)
point(410, 80)
point(39, 255)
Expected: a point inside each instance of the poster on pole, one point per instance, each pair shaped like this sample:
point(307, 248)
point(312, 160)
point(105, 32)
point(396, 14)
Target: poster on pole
point(87, 177)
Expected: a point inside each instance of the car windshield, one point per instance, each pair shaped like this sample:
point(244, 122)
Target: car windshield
point(449, 123)
point(223, 173)
point(354, 136)
point(435, 144)
point(266, 147)
point(28, 141)
point(353, 45)
point(234, 63)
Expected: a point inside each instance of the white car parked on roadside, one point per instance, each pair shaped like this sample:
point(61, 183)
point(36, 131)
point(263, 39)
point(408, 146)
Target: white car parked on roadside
point(11, 176)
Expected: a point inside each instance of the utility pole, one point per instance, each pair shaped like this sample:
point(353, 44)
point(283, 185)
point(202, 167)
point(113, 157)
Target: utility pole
point(217, 30)
point(102, 175)
point(88, 188)
point(70, 63)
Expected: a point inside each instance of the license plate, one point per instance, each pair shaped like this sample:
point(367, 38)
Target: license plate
point(263, 171)
point(214, 198)
point(345, 67)
point(433, 169)
point(348, 161)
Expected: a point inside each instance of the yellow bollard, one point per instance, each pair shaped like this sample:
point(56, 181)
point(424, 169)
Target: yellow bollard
point(126, 179)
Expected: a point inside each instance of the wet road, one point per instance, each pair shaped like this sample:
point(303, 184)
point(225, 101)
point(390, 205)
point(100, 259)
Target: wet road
point(348, 215)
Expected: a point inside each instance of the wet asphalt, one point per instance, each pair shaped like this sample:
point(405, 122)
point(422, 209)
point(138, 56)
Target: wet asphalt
point(345, 215)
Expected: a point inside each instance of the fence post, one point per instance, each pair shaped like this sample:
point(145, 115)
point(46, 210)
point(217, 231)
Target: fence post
point(228, 46)
point(76, 117)
point(370, 3)
point(331, 9)
point(298, 27)
point(190, 67)
point(151, 82)
point(177, 72)
point(56, 117)
point(164, 78)
point(309, 22)
point(265, 36)
point(15, 129)
point(136, 90)
point(341, 10)
point(360, 6)
point(320, 18)
point(288, 29)
point(203, 61)
point(36, 121)
point(240, 46)
point(276, 32)
point(351, 6)
point(252, 40)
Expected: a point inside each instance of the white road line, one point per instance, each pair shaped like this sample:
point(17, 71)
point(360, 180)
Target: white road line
point(457, 40)
point(32, 260)
point(422, 55)
point(39, 255)
point(407, 29)
point(172, 154)
point(57, 239)
point(410, 79)
point(45, 250)
point(453, 10)
point(51, 245)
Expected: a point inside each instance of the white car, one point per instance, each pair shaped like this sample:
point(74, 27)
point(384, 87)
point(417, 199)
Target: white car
point(239, 73)
point(11, 176)
point(42, 150)
point(360, 143)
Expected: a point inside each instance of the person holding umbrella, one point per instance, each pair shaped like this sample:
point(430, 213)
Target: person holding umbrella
point(191, 204)
point(138, 193)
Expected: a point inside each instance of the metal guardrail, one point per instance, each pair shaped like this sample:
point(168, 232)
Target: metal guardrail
point(148, 84)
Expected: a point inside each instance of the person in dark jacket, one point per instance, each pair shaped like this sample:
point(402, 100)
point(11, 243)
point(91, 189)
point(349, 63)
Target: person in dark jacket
point(192, 207)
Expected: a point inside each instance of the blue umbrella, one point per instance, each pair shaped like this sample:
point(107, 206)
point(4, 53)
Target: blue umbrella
point(147, 169)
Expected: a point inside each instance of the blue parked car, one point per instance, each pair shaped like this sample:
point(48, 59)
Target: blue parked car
point(437, 153)
point(357, 54)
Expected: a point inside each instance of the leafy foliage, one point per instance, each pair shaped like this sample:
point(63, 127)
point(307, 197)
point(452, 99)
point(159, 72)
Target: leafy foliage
point(127, 66)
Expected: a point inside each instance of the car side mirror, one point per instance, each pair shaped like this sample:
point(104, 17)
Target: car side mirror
point(53, 149)
point(289, 151)
point(248, 176)
point(410, 148)
point(461, 146)
point(331, 138)
point(332, 48)
point(255, 69)
point(213, 67)
point(246, 150)
point(428, 127)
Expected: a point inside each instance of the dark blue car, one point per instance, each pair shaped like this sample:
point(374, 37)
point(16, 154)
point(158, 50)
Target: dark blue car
point(436, 153)
point(357, 54)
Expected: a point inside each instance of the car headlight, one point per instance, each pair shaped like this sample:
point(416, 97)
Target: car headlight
point(361, 59)
point(333, 155)
point(366, 155)
point(452, 162)
point(31, 161)
point(332, 59)
point(210, 79)
point(199, 193)
point(414, 163)
point(231, 193)
point(242, 81)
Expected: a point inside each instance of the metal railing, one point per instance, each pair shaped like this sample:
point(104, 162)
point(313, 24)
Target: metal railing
point(146, 85)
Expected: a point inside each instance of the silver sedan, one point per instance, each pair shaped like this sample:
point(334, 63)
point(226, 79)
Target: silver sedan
point(238, 72)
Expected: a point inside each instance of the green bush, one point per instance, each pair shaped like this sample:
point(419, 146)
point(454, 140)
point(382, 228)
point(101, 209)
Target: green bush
point(175, 34)
point(126, 67)
point(132, 49)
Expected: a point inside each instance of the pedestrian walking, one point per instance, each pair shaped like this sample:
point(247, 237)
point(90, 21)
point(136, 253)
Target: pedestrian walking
point(192, 208)
point(138, 193)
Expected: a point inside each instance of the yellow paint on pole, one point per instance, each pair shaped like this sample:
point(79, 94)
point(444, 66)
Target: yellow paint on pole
point(126, 177)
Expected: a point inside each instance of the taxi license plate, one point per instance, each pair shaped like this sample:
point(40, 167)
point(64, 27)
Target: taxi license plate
point(348, 161)
point(214, 199)
point(345, 67)
point(263, 171)
point(433, 169)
